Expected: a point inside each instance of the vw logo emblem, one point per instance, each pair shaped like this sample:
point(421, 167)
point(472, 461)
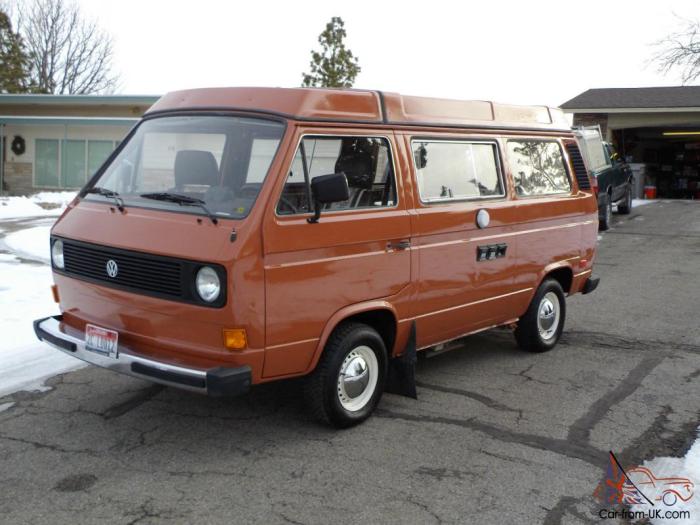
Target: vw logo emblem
point(112, 268)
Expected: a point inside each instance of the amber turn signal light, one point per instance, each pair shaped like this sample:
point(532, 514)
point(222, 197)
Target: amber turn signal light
point(235, 339)
point(54, 292)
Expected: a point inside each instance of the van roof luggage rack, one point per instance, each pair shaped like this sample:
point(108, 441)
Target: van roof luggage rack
point(363, 106)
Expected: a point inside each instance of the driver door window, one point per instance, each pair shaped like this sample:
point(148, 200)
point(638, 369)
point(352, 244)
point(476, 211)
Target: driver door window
point(366, 162)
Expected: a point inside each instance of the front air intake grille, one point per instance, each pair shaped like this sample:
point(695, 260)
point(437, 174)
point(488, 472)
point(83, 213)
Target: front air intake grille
point(133, 271)
point(584, 183)
point(139, 272)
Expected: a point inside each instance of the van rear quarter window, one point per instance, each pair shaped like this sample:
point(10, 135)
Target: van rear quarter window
point(456, 170)
point(366, 162)
point(538, 167)
point(222, 160)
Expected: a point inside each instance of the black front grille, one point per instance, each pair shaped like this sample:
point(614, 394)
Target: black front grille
point(580, 171)
point(160, 276)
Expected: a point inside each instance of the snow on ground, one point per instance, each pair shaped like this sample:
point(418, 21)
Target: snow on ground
point(641, 202)
point(665, 467)
point(25, 295)
point(21, 207)
point(17, 207)
point(57, 198)
point(32, 243)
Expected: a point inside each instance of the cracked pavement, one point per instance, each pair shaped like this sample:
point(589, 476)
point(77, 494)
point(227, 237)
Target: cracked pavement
point(496, 435)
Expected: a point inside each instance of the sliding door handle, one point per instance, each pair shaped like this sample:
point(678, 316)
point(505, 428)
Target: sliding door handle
point(399, 245)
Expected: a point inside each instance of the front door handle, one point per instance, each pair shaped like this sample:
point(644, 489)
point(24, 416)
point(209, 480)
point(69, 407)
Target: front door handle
point(399, 245)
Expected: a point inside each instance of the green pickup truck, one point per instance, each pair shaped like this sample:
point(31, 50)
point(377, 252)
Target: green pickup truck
point(611, 177)
point(615, 183)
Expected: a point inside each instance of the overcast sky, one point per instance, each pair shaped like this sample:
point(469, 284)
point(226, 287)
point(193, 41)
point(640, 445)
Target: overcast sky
point(529, 52)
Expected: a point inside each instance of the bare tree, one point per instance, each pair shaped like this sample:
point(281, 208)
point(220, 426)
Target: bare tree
point(681, 50)
point(69, 54)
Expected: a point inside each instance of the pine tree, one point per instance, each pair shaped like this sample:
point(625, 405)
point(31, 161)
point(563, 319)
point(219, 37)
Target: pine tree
point(335, 65)
point(14, 61)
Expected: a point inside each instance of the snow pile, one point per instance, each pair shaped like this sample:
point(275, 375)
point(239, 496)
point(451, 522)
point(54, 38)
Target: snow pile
point(45, 203)
point(32, 243)
point(668, 470)
point(25, 295)
point(55, 198)
point(18, 207)
point(642, 202)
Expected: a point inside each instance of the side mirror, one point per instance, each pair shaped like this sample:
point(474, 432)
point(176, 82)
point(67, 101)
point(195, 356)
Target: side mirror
point(326, 189)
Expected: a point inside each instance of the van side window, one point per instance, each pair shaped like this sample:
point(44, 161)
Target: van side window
point(538, 167)
point(456, 170)
point(366, 162)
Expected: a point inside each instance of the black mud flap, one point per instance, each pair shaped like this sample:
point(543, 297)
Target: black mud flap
point(402, 369)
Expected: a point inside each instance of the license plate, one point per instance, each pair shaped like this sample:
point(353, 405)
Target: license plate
point(101, 341)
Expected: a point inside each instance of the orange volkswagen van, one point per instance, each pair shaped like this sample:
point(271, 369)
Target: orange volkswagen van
point(244, 235)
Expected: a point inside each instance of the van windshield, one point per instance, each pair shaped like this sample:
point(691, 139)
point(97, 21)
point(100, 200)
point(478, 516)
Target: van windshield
point(218, 161)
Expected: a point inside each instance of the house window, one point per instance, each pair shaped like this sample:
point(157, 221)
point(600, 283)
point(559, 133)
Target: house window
point(98, 151)
point(68, 163)
point(46, 163)
point(73, 174)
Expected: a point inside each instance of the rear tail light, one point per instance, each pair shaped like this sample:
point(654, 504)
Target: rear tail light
point(594, 184)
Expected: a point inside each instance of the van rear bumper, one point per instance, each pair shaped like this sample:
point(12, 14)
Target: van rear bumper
point(216, 382)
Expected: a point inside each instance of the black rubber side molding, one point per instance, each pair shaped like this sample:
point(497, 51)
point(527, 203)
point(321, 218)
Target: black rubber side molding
point(591, 284)
point(42, 335)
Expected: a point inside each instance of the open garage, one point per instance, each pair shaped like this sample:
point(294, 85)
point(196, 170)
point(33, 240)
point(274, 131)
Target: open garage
point(656, 130)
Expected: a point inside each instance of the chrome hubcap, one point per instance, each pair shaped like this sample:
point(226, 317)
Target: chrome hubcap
point(548, 315)
point(358, 378)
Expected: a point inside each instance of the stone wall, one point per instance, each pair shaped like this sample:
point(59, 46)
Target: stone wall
point(17, 178)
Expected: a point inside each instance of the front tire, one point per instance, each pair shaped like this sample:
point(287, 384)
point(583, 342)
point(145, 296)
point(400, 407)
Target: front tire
point(348, 381)
point(540, 328)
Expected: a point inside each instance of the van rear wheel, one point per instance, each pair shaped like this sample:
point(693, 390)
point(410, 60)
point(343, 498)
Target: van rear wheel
point(348, 381)
point(541, 326)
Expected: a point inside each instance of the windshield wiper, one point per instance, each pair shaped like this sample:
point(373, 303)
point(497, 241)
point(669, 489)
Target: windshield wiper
point(97, 190)
point(182, 200)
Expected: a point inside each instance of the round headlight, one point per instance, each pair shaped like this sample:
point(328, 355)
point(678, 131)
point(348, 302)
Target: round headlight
point(208, 284)
point(57, 254)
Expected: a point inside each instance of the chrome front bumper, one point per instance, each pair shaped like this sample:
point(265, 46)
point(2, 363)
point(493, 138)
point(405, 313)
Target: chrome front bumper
point(216, 382)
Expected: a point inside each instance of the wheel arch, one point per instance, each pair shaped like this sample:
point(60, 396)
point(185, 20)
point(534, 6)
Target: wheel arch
point(562, 273)
point(380, 315)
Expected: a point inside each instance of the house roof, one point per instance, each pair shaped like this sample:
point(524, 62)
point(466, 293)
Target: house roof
point(70, 100)
point(66, 121)
point(364, 106)
point(635, 98)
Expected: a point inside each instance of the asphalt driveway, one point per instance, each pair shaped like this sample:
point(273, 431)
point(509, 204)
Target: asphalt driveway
point(496, 435)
